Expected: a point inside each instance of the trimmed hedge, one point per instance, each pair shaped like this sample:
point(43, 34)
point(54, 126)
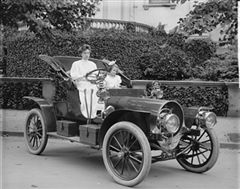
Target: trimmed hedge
point(196, 96)
point(12, 94)
point(134, 53)
point(188, 96)
point(124, 47)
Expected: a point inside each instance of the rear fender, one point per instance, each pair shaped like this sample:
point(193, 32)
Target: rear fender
point(48, 112)
point(141, 119)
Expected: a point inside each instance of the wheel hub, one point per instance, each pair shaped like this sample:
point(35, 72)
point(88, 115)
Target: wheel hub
point(35, 129)
point(124, 153)
point(195, 145)
point(120, 154)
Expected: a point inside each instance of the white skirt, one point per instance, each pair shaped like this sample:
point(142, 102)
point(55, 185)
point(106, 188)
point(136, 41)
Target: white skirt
point(89, 100)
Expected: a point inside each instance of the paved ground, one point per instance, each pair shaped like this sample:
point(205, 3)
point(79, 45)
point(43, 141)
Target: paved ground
point(73, 166)
point(227, 128)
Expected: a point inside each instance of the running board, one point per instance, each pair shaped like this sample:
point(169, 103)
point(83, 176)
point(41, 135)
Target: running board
point(71, 139)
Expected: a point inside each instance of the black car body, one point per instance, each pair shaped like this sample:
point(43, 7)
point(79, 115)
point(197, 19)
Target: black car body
point(136, 129)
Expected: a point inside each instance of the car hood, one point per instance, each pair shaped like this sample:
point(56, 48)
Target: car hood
point(144, 104)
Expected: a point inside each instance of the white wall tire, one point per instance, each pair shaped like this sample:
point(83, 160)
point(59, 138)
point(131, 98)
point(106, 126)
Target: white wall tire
point(126, 153)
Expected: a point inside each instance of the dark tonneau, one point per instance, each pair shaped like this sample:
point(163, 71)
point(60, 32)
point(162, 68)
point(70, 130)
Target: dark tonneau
point(64, 63)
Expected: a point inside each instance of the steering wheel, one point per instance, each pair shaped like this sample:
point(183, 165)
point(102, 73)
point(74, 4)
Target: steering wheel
point(96, 75)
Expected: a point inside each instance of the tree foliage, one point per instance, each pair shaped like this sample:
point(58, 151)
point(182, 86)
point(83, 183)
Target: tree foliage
point(41, 15)
point(199, 50)
point(206, 16)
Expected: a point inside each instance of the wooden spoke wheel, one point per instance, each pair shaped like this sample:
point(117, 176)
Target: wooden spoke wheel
point(126, 153)
point(198, 153)
point(35, 132)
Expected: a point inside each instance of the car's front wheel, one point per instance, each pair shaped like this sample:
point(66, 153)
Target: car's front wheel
point(35, 133)
point(126, 153)
point(198, 153)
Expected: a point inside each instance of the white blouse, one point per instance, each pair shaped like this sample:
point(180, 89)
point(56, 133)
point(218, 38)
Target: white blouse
point(79, 69)
point(113, 81)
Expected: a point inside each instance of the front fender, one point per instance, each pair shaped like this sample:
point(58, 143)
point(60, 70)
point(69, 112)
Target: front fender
point(48, 112)
point(141, 119)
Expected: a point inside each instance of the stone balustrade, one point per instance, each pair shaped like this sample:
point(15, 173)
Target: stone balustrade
point(94, 23)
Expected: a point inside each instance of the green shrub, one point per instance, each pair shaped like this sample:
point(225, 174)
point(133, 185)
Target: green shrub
point(124, 47)
point(221, 67)
point(199, 50)
point(159, 31)
point(165, 63)
point(134, 52)
point(130, 27)
point(176, 40)
point(197, 96)
point(12, 94)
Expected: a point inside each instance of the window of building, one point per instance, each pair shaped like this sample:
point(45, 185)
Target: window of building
point(159, 3)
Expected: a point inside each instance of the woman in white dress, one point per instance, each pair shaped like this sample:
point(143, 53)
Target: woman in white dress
point(87, 91)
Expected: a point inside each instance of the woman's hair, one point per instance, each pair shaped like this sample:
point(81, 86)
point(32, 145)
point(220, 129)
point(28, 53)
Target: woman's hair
point(84, 47)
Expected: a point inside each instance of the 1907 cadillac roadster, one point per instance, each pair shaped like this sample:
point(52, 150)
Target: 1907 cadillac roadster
point(135, 129)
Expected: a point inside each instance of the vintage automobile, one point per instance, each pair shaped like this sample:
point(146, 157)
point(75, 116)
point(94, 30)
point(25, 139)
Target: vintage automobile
point(136, 128)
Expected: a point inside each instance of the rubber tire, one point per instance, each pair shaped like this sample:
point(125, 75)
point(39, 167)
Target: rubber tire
point(45, 136)
point(139, 134)
point(213, 159)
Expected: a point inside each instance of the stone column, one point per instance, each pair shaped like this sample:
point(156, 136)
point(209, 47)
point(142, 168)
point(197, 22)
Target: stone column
point(234, 99)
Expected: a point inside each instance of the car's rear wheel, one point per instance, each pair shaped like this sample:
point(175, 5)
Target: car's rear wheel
point(35, 133)
point(126, 153)
point(198, 153)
